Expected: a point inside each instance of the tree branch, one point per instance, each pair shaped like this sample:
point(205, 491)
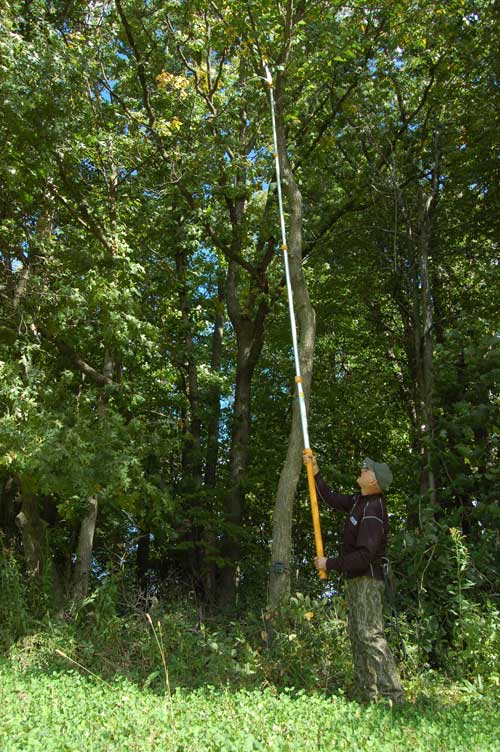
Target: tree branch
point(102, 379)
point(140, 63)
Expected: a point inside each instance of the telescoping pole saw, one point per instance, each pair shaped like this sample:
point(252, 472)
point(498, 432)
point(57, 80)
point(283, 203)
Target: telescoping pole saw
point(298, 378)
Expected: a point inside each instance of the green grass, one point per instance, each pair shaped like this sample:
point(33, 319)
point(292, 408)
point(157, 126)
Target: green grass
point(63, 711)
point(177, 685)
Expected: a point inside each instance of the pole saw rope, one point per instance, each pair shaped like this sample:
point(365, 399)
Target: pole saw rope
point(298, 378)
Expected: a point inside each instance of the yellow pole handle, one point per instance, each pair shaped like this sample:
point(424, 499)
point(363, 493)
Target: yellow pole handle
point(315, 511)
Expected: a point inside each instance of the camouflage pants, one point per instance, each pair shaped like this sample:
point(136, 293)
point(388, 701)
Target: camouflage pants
point(375, 670)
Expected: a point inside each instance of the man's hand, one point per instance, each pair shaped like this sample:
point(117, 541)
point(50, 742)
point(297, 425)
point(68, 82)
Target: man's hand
point(307, 458)
point(320, 562)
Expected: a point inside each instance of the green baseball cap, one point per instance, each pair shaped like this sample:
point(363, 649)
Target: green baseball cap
point(382, 472)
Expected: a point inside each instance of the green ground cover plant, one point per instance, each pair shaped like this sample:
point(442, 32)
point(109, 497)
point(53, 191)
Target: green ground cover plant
point(64, 711)
point(99, 682)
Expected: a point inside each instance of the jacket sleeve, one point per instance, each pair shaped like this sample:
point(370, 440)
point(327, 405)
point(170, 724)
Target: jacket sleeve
point(370, 541)
point(340, 502)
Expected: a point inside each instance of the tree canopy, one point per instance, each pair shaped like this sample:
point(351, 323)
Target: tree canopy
point(146, 376)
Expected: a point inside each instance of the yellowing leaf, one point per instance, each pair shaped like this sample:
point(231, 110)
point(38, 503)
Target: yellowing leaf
point(166, 80)
point(167, 127)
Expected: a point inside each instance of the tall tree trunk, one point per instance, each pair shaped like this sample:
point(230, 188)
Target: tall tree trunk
point(248, 319)
point(29, 521)
point(279, 579)
point(420, 356)
point(32, 262)
point(8, 493)
point(426, 351)
point(40, 565)
point(85, 545)
point(143, 559)
point(250, 338)
point(84, 551)
point(428, 201)
point(33, 531)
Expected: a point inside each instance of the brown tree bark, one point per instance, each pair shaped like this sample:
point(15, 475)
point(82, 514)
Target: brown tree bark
point(209, 542)
point(84, 551)
point(33, 531)
point(426, 384)
point(28, 520)
point(81, 573)
point(143, 559)
point(8, 494)
point(250, 338)
point(247, 306)
point(418, 318)
point(213, 424)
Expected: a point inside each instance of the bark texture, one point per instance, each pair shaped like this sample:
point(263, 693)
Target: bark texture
point(33, 532)
point(250, 337)
point(85, 545)
point(84, 551)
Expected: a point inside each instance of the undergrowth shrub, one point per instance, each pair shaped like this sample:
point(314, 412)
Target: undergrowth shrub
point(309, 646)
point(39, 649)
point(14, 615)
point(174, 648)
point(303, 645)
point(448, 612)
point(476, 651)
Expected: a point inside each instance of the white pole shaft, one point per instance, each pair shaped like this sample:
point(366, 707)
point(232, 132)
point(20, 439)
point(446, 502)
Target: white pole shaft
point(293, 325)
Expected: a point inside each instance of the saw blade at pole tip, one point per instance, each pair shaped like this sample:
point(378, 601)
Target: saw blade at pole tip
point(269, 77)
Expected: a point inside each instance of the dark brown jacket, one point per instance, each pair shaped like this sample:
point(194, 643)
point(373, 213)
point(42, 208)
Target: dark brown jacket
point(365, 532)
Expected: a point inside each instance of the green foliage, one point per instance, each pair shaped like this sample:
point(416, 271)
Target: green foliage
point(14, 615)
point(64, 709)
point(128, 134)
point(475, 653)
point(214, 684)
point(308, 644)
point(445, 620)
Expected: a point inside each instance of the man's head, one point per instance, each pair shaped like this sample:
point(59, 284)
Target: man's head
point(375, 477)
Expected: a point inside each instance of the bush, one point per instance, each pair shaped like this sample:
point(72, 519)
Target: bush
point(476, 651)
point(309, 646)
point(303, 645)
point(14, 601)
point(448, 619)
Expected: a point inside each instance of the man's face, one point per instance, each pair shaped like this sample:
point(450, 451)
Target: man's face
point(367, 479)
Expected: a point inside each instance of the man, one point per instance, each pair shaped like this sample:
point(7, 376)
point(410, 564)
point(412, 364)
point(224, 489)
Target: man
point(361, 562)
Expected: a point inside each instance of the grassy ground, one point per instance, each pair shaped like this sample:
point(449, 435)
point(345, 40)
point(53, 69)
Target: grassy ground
point(183, 686)
point(63, 711)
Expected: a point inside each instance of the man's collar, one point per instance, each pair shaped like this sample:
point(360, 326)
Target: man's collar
point(368, 497)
